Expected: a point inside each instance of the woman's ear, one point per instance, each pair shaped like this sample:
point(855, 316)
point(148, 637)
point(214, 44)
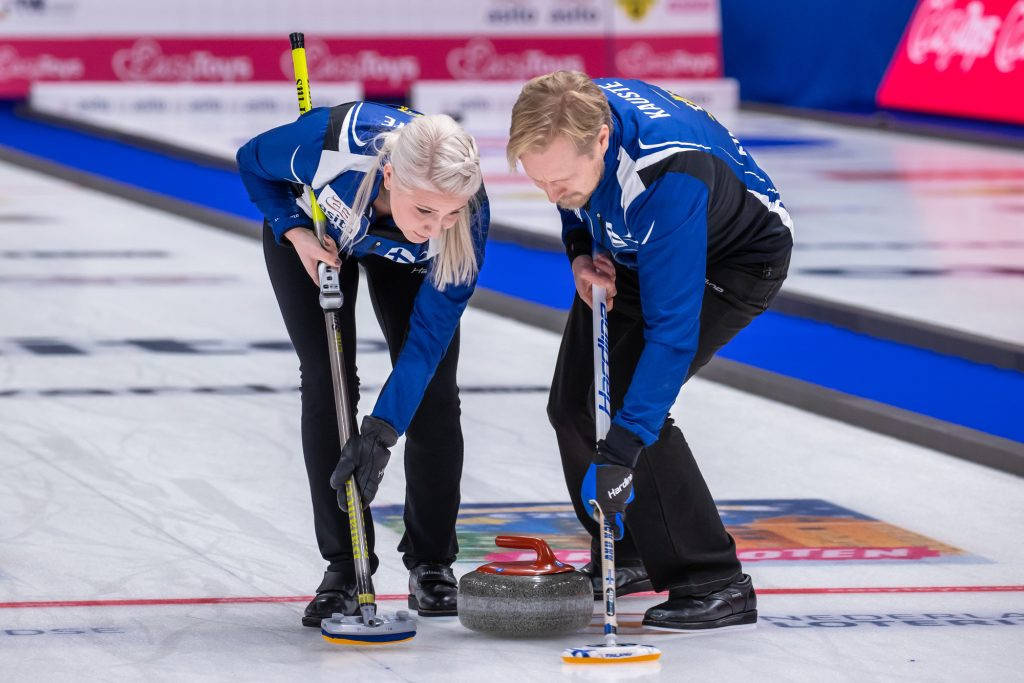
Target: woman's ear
point(387, 171)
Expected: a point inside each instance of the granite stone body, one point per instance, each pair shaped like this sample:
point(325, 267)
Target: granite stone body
point(526, 606)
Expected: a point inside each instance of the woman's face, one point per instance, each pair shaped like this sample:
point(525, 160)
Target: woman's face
point(421, 214)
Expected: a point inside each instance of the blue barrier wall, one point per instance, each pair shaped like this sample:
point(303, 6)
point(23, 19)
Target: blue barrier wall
point(820, 54)
point(953, 389)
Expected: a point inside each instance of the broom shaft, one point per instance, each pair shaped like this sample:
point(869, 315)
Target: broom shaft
point(330, 300)
point(602, 422)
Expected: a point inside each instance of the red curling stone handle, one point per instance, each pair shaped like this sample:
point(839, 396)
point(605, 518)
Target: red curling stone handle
point(546, 563)
point(537, 545)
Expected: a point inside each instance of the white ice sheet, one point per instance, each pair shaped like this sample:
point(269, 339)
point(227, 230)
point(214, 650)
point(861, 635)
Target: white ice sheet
point(190, 495)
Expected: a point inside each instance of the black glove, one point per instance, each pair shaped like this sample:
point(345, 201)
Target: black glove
point(364, 456)
point(611, 487)
point(609, 479)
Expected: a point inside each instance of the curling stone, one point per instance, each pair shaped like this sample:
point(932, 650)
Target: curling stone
point(540, 597)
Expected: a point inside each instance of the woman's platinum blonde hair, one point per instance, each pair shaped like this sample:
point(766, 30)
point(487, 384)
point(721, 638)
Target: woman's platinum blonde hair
point(433, 153)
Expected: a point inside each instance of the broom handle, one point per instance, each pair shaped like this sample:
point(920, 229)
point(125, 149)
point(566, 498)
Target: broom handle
point(331, 301)
point(602, 383)
point(298, 41)
point(611, 624)
point(602, 422)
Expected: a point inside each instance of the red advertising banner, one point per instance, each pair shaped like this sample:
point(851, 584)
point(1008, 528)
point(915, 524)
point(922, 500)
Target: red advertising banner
point(961, 58)
point(384, 65)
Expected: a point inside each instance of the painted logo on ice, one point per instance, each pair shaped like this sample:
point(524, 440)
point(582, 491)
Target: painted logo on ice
point(775, 530)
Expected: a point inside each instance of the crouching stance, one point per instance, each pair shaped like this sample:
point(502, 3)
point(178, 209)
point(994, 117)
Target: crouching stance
point(404, 199)
point(694, 243)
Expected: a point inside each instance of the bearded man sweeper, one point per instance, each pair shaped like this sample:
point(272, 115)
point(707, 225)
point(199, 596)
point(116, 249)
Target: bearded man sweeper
point(695, 243)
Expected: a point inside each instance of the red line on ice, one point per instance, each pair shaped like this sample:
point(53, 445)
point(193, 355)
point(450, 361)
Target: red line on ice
point(139, 602)
point(892, 589)
point(160, 601)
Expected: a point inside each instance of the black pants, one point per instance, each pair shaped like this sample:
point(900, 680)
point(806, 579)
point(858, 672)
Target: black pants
point(433, 445)
point(672, 525)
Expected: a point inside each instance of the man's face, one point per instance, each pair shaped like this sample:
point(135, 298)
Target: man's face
point(567, 177)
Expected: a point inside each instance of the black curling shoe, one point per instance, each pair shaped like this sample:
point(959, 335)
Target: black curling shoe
point(732, 606)
point(337, 593)
point(433, 591)
point(630, 577)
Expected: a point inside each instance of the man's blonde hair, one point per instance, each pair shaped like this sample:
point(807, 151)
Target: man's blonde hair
point(560, 103)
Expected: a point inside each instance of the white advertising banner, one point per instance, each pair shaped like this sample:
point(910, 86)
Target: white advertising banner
point(110, 18)
point(207, 117)
point(386, 45)
point(719, 96)
point(484, 107)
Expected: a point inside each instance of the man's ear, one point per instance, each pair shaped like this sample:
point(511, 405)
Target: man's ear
point(603, 136)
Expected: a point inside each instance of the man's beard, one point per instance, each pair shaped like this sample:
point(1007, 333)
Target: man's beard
point(574, 201)
point(577, 200)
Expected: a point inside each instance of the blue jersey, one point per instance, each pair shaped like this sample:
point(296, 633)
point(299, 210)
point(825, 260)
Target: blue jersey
point(678, 192)
point(331, 150)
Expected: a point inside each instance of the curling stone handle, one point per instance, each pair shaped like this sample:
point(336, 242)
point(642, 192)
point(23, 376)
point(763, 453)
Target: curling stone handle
point(537, 545)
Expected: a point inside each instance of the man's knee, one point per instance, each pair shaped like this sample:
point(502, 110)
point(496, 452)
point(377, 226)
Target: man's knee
point(560, 415)
point(570, 420)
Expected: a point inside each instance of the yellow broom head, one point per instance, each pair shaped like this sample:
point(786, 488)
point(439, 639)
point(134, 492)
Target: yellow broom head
point(611, 654)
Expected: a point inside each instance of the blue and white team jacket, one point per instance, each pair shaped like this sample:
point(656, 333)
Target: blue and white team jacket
point(678, 192)
point(331, 150)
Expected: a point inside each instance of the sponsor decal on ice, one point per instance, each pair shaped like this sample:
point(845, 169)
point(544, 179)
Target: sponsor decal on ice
point(873, 621)
point(222, 390)
point(836, 554)
point(774, 530)
point(85, 630)
point(57, 346)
